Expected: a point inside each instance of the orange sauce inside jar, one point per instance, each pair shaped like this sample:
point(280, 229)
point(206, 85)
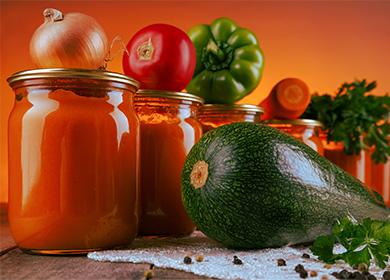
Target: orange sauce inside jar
point(380, 180)
point(214, 115)
point(73, 161)
point(169, 129)
point(304, 130)
point(356, 165)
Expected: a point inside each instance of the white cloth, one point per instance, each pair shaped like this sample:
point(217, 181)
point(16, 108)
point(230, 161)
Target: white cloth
point(218, 261)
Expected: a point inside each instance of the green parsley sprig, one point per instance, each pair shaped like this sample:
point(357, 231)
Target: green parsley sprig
point(362, 242)
point(354, 117)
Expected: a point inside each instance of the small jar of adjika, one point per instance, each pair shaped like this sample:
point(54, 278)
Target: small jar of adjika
point(214, 115)
point(169, 129)
point(305, 130)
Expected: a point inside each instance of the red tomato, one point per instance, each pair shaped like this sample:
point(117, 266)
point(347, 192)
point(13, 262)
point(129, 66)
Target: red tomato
point(160, 56)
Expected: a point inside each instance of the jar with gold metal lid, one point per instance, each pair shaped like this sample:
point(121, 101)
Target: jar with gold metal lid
point(169, 129)
point(305, 130)
point(73, 160)
point(215, 115)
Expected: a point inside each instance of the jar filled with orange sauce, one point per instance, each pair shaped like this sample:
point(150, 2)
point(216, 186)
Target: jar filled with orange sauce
point(73, 161)
point(214, 115)
point(305, 130)
point(169, 129)
point(380, 179)
point(375, 175)
point(356, 165)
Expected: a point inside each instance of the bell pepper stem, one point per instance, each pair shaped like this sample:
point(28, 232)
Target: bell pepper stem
point(213, 48)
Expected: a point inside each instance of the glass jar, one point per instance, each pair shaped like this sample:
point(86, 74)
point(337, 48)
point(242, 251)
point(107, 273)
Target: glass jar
point(305, 130)
point(169, 129)
point(356, 165)
point(73, 161)
point(380, 180)
point(214, 115)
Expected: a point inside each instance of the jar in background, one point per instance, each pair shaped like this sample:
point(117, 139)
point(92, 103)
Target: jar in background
point(73, 161)
point(356, 165)
point(214, 115)
point(169, 129)
point(305, 130)
point(380, 180)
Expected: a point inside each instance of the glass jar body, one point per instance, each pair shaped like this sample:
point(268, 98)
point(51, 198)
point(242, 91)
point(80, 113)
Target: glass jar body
point(214, 115)
point(73, 165)
point(356, 165)
point(306, 131)
point(169, 129)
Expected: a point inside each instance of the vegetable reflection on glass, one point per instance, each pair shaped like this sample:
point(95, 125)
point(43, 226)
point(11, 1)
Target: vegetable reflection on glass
point(229, 61)
point(355, 118)
point(71, 40)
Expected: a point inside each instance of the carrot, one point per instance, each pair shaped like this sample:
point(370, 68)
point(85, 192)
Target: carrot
point(288, 99)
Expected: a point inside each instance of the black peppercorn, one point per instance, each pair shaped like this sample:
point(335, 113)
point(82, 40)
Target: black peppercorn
point(305, 256)
point(371, 277)
point(344, 274)
point(303, 274)
point(187, 260)
point(281, 262)
point(299, 268)
point(356, 275)
point(335, 274)
point(386, 275)
point(236, 260)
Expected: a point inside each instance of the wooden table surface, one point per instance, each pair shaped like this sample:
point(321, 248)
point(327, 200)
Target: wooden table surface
point(15, 264)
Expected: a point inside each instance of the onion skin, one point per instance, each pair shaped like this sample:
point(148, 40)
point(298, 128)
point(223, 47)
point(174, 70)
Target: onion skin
point(74, 41)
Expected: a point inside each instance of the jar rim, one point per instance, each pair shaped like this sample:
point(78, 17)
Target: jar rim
point(45, 73)
point(296, 122)
point(228, 107)
point(168, 94)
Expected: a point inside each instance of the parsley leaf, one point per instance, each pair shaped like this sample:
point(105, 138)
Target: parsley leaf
point(363, 242)
point(356, 118)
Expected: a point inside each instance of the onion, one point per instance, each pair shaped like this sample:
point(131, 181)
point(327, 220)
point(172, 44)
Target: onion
point(73, 40)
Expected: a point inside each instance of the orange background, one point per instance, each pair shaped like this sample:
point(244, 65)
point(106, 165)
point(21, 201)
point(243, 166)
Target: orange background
point(323, 43)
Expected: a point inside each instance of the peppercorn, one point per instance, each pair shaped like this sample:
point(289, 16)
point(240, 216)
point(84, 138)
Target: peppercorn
point(313, 273)
point(199, 258)
point(299, 268)
point(281, 262)
point(371, 277)
point(236, 260)
point(327, 266)
point(305, 256)
point(362, 267)
point(357, 275)
point(345, 274)
point(148, 274)
point(335, 274)
point(303, 274)
point(187, 260)
point(386, 275)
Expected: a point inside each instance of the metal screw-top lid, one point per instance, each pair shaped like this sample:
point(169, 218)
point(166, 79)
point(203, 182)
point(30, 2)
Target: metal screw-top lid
point(305, 122)
point(70, 73)
point(210, 108)
point(168, 94)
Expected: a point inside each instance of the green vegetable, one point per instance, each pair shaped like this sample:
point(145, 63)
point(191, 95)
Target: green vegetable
point(362, 242)
point(355, 118)
point(229, 61)
point(251, 186)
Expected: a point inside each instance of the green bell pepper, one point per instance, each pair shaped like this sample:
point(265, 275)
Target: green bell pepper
point(229, 62)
